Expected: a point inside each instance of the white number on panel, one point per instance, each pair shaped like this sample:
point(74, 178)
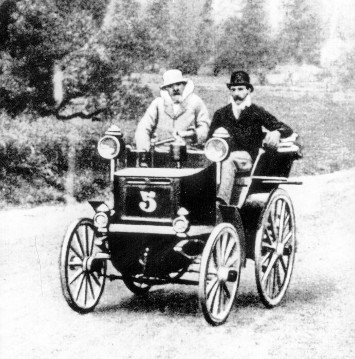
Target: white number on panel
point(148, 203)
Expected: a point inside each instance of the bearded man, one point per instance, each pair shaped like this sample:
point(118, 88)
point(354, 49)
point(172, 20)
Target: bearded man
point(178, 111)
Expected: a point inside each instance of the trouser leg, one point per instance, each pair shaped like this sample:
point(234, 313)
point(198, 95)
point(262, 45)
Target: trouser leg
point(238, 161)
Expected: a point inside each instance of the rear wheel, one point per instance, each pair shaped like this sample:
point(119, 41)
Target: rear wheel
point(82, 278)
point(275, 248)
point(219, 273)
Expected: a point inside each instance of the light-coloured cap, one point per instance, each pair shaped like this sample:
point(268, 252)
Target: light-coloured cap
point(171, 77)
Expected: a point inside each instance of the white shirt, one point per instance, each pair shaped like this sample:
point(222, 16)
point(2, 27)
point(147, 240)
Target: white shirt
point(237, 109)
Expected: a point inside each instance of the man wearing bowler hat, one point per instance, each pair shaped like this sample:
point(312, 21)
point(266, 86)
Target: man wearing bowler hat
point(246, 124)
point(178, 111)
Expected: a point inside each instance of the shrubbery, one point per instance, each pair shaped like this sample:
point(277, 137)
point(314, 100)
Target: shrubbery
point(43, 160)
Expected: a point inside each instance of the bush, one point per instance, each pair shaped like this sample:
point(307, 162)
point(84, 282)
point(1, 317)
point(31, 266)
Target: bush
point(44, 160)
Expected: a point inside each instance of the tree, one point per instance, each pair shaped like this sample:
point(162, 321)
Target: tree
point(300, 36)
point(157, 18)
point(38, 36)
point(189, 34)
point(244, 42)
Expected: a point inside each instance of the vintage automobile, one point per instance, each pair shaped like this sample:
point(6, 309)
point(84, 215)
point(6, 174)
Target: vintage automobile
point(166, 227)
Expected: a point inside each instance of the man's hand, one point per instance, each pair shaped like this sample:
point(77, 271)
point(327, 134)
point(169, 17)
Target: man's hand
point(272, 139)
point(185, 133)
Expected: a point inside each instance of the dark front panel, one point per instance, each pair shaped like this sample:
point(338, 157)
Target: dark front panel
point(198, 196)
point(147, 200)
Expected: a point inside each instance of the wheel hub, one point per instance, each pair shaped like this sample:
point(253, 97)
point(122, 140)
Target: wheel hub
point(86, 264)
point(223, 274)
point(280, 249)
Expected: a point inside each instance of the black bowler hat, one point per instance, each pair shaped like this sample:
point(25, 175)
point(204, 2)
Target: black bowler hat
point(240, 78)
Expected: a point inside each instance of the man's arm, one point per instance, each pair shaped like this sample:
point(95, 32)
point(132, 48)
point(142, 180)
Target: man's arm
point(276, 129)
point(202, 121)
point(272, 124)
point(215, 124)
point(146, 126)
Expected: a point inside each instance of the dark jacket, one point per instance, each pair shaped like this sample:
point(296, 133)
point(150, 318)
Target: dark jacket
point(246, 132)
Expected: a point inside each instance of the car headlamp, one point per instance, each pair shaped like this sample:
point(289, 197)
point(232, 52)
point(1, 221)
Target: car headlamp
point(180, 224)
point(100, 220)
point(216, 149)
point(109, 147)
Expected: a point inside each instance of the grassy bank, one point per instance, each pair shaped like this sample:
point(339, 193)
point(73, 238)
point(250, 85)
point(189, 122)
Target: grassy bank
point(46, 160)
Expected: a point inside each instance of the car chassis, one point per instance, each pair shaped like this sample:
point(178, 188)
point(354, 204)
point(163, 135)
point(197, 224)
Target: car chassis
point(165, 225)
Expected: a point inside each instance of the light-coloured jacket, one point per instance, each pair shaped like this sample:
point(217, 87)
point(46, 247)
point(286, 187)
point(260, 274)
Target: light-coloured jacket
point(160, 119)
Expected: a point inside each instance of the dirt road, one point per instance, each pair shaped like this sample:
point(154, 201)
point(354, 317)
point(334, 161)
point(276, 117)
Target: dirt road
point(317, 319)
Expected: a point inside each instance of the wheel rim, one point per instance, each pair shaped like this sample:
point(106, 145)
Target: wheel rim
point(219, 273)
point(275, 248)
point(82, 278)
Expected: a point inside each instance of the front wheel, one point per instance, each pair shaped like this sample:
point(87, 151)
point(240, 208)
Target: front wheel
point(220, 273)
point(82, 277)
point(275, 248)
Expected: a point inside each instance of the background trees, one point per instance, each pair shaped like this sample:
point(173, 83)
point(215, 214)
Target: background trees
point(300, 35)
point(245, 41)
point(93, 45)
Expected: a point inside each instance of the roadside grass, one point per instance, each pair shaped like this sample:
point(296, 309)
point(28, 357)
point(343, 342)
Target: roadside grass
point(36, 154)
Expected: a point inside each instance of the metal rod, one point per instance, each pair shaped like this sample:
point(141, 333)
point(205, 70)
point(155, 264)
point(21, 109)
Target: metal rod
point(155, 281)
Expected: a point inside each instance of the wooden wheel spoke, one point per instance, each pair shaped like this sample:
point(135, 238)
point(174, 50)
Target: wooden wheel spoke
point(211, 286)
point(281, 220)
point(224, 243)
point(78, 289)
point(217, 301)
point(268, 236)
point(215, 259)
point(211, 299)
point(77, 236)
point(278, 276)
point(96, 279)
point(287, 237)
point(284, 267)
point(267, 246)
point(229, 252)
point(232, 259)
point(266, 259)
point(226, 290)
point(86, 288)
point(76, 252)
point(91, 287)
point(287, 219)
point(273, 228)
point(92, 242)
point(269, 268)
point(76, 275)
point(87, 240)
point(219, 253)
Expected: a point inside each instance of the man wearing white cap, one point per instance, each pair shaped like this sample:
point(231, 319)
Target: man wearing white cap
point(178, 111)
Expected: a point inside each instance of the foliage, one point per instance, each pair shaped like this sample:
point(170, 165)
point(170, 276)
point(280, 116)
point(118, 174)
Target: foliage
point(343, 68)
point(35, 162)
point(38, 35)
point(244, 43)
point(300, 35)
point(189, 37)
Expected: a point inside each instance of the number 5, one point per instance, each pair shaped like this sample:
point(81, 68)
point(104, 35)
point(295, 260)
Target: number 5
point(148, 204)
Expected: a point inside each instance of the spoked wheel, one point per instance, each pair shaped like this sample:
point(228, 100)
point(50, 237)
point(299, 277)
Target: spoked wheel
point(135, 286)
point(275, 247)
point(219, 273)
point(82, 278)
